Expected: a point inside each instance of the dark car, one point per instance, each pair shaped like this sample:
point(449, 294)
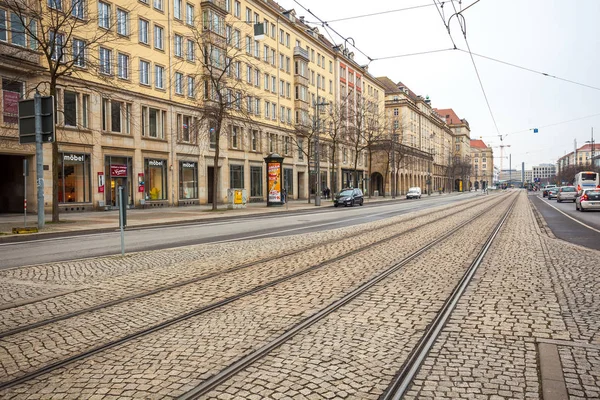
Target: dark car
point(552, 193)
point(349, 197)
point(548, 187)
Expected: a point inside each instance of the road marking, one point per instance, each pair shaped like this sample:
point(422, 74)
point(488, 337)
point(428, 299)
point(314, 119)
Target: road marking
point(568, 216)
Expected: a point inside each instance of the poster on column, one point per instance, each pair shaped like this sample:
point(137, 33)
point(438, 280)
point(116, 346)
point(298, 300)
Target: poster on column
point(274, 181)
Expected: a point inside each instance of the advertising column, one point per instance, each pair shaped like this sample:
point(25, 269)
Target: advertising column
point(275, 193)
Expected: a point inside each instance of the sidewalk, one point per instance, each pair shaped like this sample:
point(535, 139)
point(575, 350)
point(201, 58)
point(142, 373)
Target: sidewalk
point(95, 221)
point(109, 220)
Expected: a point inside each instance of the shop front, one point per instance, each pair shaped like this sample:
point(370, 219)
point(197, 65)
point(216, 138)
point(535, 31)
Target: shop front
point(188, 182)
point(352, 179)
point(117, 172)
point(74, 178)
point(155, 184)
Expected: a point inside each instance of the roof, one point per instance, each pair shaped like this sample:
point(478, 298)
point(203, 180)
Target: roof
point(478, 144)
point(388, 85)
point(449, 115)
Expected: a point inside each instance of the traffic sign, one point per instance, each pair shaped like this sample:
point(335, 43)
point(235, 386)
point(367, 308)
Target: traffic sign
point(27, 120)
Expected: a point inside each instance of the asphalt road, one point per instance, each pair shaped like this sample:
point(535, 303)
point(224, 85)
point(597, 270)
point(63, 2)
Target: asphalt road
point(77, 246)
point(568, 224)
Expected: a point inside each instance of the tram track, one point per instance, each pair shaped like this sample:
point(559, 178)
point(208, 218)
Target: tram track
point(409, 369)
point(137, 296)
point(53, 366)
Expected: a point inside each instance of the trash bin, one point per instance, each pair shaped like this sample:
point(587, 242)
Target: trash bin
point(376, 193)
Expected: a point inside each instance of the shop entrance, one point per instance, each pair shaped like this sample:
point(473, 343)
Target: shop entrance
point(113, 193)
point(11, 184)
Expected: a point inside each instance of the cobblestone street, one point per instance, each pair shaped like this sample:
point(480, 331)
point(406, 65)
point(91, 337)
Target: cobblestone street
point(531, 291)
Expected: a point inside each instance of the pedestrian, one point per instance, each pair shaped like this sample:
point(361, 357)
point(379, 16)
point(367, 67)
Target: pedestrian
point(327, 192)
point(284, 195)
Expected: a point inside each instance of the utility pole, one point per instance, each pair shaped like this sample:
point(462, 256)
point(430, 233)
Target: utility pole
point(39, 159)
point(393, 177)
point(509, 169)
point(317, 151)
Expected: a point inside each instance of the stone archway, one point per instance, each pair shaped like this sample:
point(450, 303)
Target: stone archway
point(377, 183)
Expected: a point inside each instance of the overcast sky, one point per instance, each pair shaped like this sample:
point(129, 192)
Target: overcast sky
point(560, 38)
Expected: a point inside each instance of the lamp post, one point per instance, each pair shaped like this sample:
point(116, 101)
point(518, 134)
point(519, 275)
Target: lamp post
point(592, 143)
point(393, 177)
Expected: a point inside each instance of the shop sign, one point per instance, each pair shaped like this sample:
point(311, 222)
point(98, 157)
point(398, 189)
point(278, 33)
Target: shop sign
point(118, 171)
point(186, 164)
point(11, 106)
point(100, 182)
point(141, 184)
point(274, 171)
point(155, 163)
point(73, 157)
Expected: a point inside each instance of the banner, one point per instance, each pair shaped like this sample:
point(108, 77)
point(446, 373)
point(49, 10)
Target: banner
point(118, 171)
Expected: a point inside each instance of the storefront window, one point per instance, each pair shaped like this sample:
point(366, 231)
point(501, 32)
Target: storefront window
point(74, 178)
point(236, 176)
point(117, 171)
point(288, 180)
point(256, 182)
point(188, 180)
point(156, 179)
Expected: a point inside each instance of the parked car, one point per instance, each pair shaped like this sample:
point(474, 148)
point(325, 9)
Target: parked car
point(548, 187)
point(588, 199)
point(566, 193)
point(413, 193)
point(349, 197)
point(552, 193)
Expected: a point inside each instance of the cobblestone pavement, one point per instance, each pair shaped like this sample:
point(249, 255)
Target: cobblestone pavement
point(355, 352)
point(529, 289)
point(236, 332)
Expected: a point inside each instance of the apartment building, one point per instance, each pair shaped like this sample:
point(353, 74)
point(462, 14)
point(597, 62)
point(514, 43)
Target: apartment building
point(544, 172)
point(584, 155)
point(482, 162)
point(135, 108)
point(460, 162)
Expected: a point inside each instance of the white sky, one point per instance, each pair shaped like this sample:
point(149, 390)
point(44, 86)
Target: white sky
point(558, 37)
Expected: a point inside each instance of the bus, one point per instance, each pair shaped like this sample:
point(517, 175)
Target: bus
point(586, 179)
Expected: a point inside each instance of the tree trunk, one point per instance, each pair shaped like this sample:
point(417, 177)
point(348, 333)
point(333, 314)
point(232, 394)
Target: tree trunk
point(216, 161)
point(54, 163)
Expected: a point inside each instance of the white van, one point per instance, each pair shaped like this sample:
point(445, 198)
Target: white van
point(413, 193)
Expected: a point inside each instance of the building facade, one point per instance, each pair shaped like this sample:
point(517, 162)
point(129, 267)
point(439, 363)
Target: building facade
point(482, 161)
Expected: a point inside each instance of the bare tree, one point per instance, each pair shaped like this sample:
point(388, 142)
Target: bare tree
point(336, 128)
point(304, 140)
point(66, 36)
point(225, 96)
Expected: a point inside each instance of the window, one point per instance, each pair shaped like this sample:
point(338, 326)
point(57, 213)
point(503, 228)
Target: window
point(153, 122)
point(17, 29)
point(248, 15)
point(122, 22)
point(58, 50)
point(158, 4)
point(74, 178)
point(70, 108)
point(177, 9)
point(144, 72)
point(105, 61)
point(248, 45)
point(256, 78)
point(267, 109)
point(188, 180)
point(159, 77)
point(266, 80)
point(286, 144)
point(79, 53)
point(256, 181)
point(178, 83)
point(300, 151)
point(236, 38)
point(189, 14)
point(236, 176)
point(256, 49)
point(116, 116)
point(191, 86)
point(235, 137)
point(213, 135)
point(103, 15)
point(178, 45)
point(143, 33)
point(155, 173)
point(254, 140)
point(282, 113)
point(191, 50)
point(123, 66)
point(56, 4)
point(3, 35)
point(237, 9)
point(266, 53)
point(273, 57)
point(77, 8)
point(158, 37)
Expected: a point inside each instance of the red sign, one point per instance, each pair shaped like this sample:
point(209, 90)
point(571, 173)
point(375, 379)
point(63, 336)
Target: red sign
point(11, 106)
point(118, 171)
point(141, 182)
point(100, 182)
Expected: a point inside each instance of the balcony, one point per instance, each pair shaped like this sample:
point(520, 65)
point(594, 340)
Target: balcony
point(300, 52)
point(217, 5)
point(17, 54)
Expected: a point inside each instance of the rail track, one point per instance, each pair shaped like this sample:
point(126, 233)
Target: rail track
point(201, 310)
point(411, 366)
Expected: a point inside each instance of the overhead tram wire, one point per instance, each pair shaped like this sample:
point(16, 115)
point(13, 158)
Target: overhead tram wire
point(413, 54)
point(532, 70)
point(325, 25)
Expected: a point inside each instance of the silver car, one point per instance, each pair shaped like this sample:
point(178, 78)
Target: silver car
point(566, 193)
point(588, 199)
